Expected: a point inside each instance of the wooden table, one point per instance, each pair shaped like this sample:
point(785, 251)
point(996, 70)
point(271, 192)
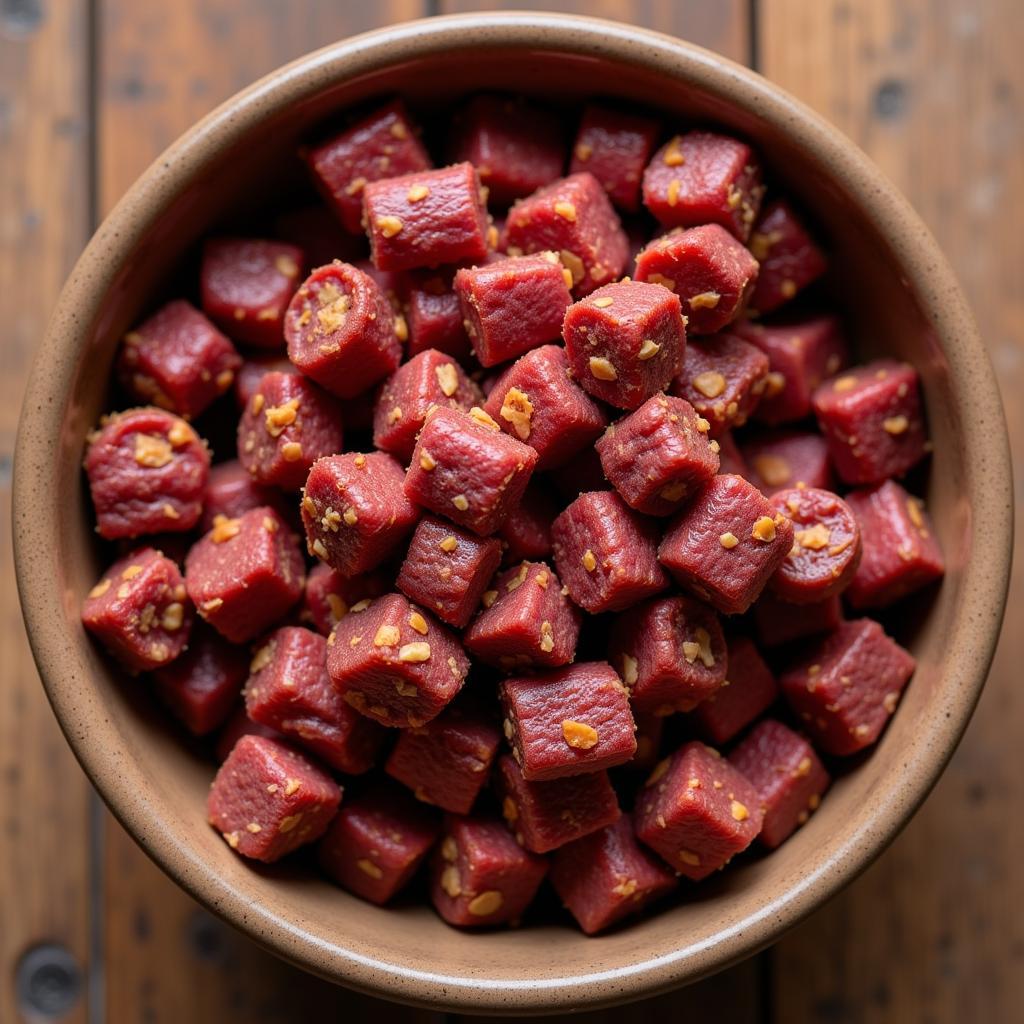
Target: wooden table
point(92, 90)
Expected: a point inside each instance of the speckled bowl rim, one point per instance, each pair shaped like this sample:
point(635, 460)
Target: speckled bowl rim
point(975, 627)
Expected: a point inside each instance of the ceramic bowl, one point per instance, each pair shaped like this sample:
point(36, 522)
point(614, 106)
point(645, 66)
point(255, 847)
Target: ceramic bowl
point(901, 298)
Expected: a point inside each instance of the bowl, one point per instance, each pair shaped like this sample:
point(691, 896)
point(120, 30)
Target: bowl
point(901, 298)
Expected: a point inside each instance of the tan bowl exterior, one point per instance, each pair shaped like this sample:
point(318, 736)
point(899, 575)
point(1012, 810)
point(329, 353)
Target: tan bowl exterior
point(156, 786)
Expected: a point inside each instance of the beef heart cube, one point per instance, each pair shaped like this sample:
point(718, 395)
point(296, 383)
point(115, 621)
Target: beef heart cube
point(268, 799)
point(704, 178)
point(778, 623)
point(607, 876)
point(231, 491)
point(659, 455)
point(394, 663)
point(605, 553)
point(139, 611)
point(625, 342)
point(355, 511)
point(513, 305)
point(245, 574)
point(546, 815)
point(790, 259)
point(573, 217)
point(614, 146)
point(290, 691)
point(377, 841)
point(147, 472)
point(177, 360)
point(873, 421)
point(447, 761)
point(723, 378)
point(515, 146)
point(846, 686)
point(246, 285)
point(787, 774)
point(725, 545)
point(428, 379)
point(340, 330)
point(571, 721)
point(466, 469)
point(748, 692)
point(802, 352)
point(480, 875)
point(447, 569)
point(329, 594)
point(250, 373)
point(381, 145)
point(787, 458)
point(696, 811)
point(426, 218)
point(433, 316)
point(288, 425)
point(671, 652)
point(526, 621)
point(535, 401)
point(526, 534)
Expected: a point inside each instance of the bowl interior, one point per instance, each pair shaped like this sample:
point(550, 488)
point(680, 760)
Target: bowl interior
point(157, 784)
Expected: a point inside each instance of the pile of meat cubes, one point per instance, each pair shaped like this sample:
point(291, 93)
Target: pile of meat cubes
point(588, 554)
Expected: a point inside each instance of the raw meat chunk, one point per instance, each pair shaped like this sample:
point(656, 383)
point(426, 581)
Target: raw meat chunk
point(790, 259)
point(787, 458)
point(329, 594)
point(778, 623)
point(748, 692)
point(231, 491)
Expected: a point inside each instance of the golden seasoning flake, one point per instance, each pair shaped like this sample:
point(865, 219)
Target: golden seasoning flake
point(517, 409)
point(319, 550)
point(583, 151)
point(395, 414)
point(483, 418)
point(704, 646)
point(253, 827)
point(490, 596)
point(688, 857)
point(450, 881)
point(427, 462)
point(417, 651)
point(336, 606)
point(739, 811)
point(625, 888)
point(334, 309)
point(573, 264)
point(710, 383)
point(588, 560)
point(602, 368)
point(447, 379)
point(350, 516)
point(389, 226)
point(173, 617)
point(224, 529)
point(291, 451)
point(774, 470)
point(486, 903)
point(369, 868)
point(355, 186)
point(764, 530)
point(387, 636)
point(847, 383)
point(579, 735)
point(895, 425)
point(460, 502)
point(728, 540)
point(604, 302)
point(151, 451)
point(277, 417)
point(547, 639)
point(648, 350)
point(286, 265)
point(673, 491)
point(673, 156)
point(629, 669)
point(803, 768)
point(100, 589)
point(449, 544)
point(418, 623)
point(417, 192)
point(691, 650)
point(705, 300)
point(814, 537)
point(566, 210)
point(672, 194)
point(288, 823)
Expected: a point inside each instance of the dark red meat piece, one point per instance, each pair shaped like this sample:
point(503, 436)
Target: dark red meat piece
point(434, 317)
point(748, 692)
point(649, 729)
point(790, 259)
point(526, 533)
point(787, 458)
point(329, 594)
point(239, 725)
point(251, 372)
point(730, 458)
point(778, 623)
point(231, 491)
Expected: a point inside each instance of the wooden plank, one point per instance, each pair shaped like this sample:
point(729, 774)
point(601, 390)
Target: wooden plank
point(931, 89)
point(44, 221)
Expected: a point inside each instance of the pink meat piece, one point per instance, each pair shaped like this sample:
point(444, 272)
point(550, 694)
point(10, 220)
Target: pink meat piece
point(231, 491)
point(434, 317)
point(251, 372)
point(329, 594)
point(778, 623)
point(526, 533)
point(790, 258)
point(787, 458)
point(748, 692)
point(730, 458)
point(239, 724)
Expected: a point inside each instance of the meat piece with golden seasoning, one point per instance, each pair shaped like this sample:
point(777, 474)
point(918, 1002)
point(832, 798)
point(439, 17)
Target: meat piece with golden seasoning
point(748, 690)
point(787, 457)
point(790, 259)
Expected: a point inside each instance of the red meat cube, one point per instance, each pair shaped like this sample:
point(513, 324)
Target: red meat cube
point(826, 548)
point(231, 491)
point(535, 401)
point(466, 469)
point(696, 811)
point(659, 455)
point(846, 686)
point(605, 553)
point(447, 761)
point(526, 533)
point(139, 611)
point(873, 421)
point(245, 574)
point(671, 653)
point(571, 721)
point(546, 815)
point(426, 218)
point(790, 259)
point(447, 569)
point(329, 594)
point(725, 545)
point(787, 774)
point(394, 663)
point(267, 799)
point(288, 425)
point(778, 623)
point(526, 621)
point(428, 379)
point(704, 178)
point(377, 841)
point(730, 458)
point(649, 729)
point(480, 875)
point(355, 511)
point(801, 353)
point(787, 458)
point(245, 286)
point(614, 146)
point(625, 342)
point(573, 217)
point(514, 305)
point(147, 472)
point(515, 146)
point(239, 725)
point(290, 691)
point(341, 330)
point(711, 273)
point(381, 145)
point(607, 876)
point(201, 686)
point(434, 318)
point(901, 554)
point(319, 235)
point(393, 285)
point(251, 372)
point(748, 692)
point(177, 360)
point(723, 378)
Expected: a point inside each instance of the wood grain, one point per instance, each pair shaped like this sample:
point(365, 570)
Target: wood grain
point(44, 221)
point(931, 89)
